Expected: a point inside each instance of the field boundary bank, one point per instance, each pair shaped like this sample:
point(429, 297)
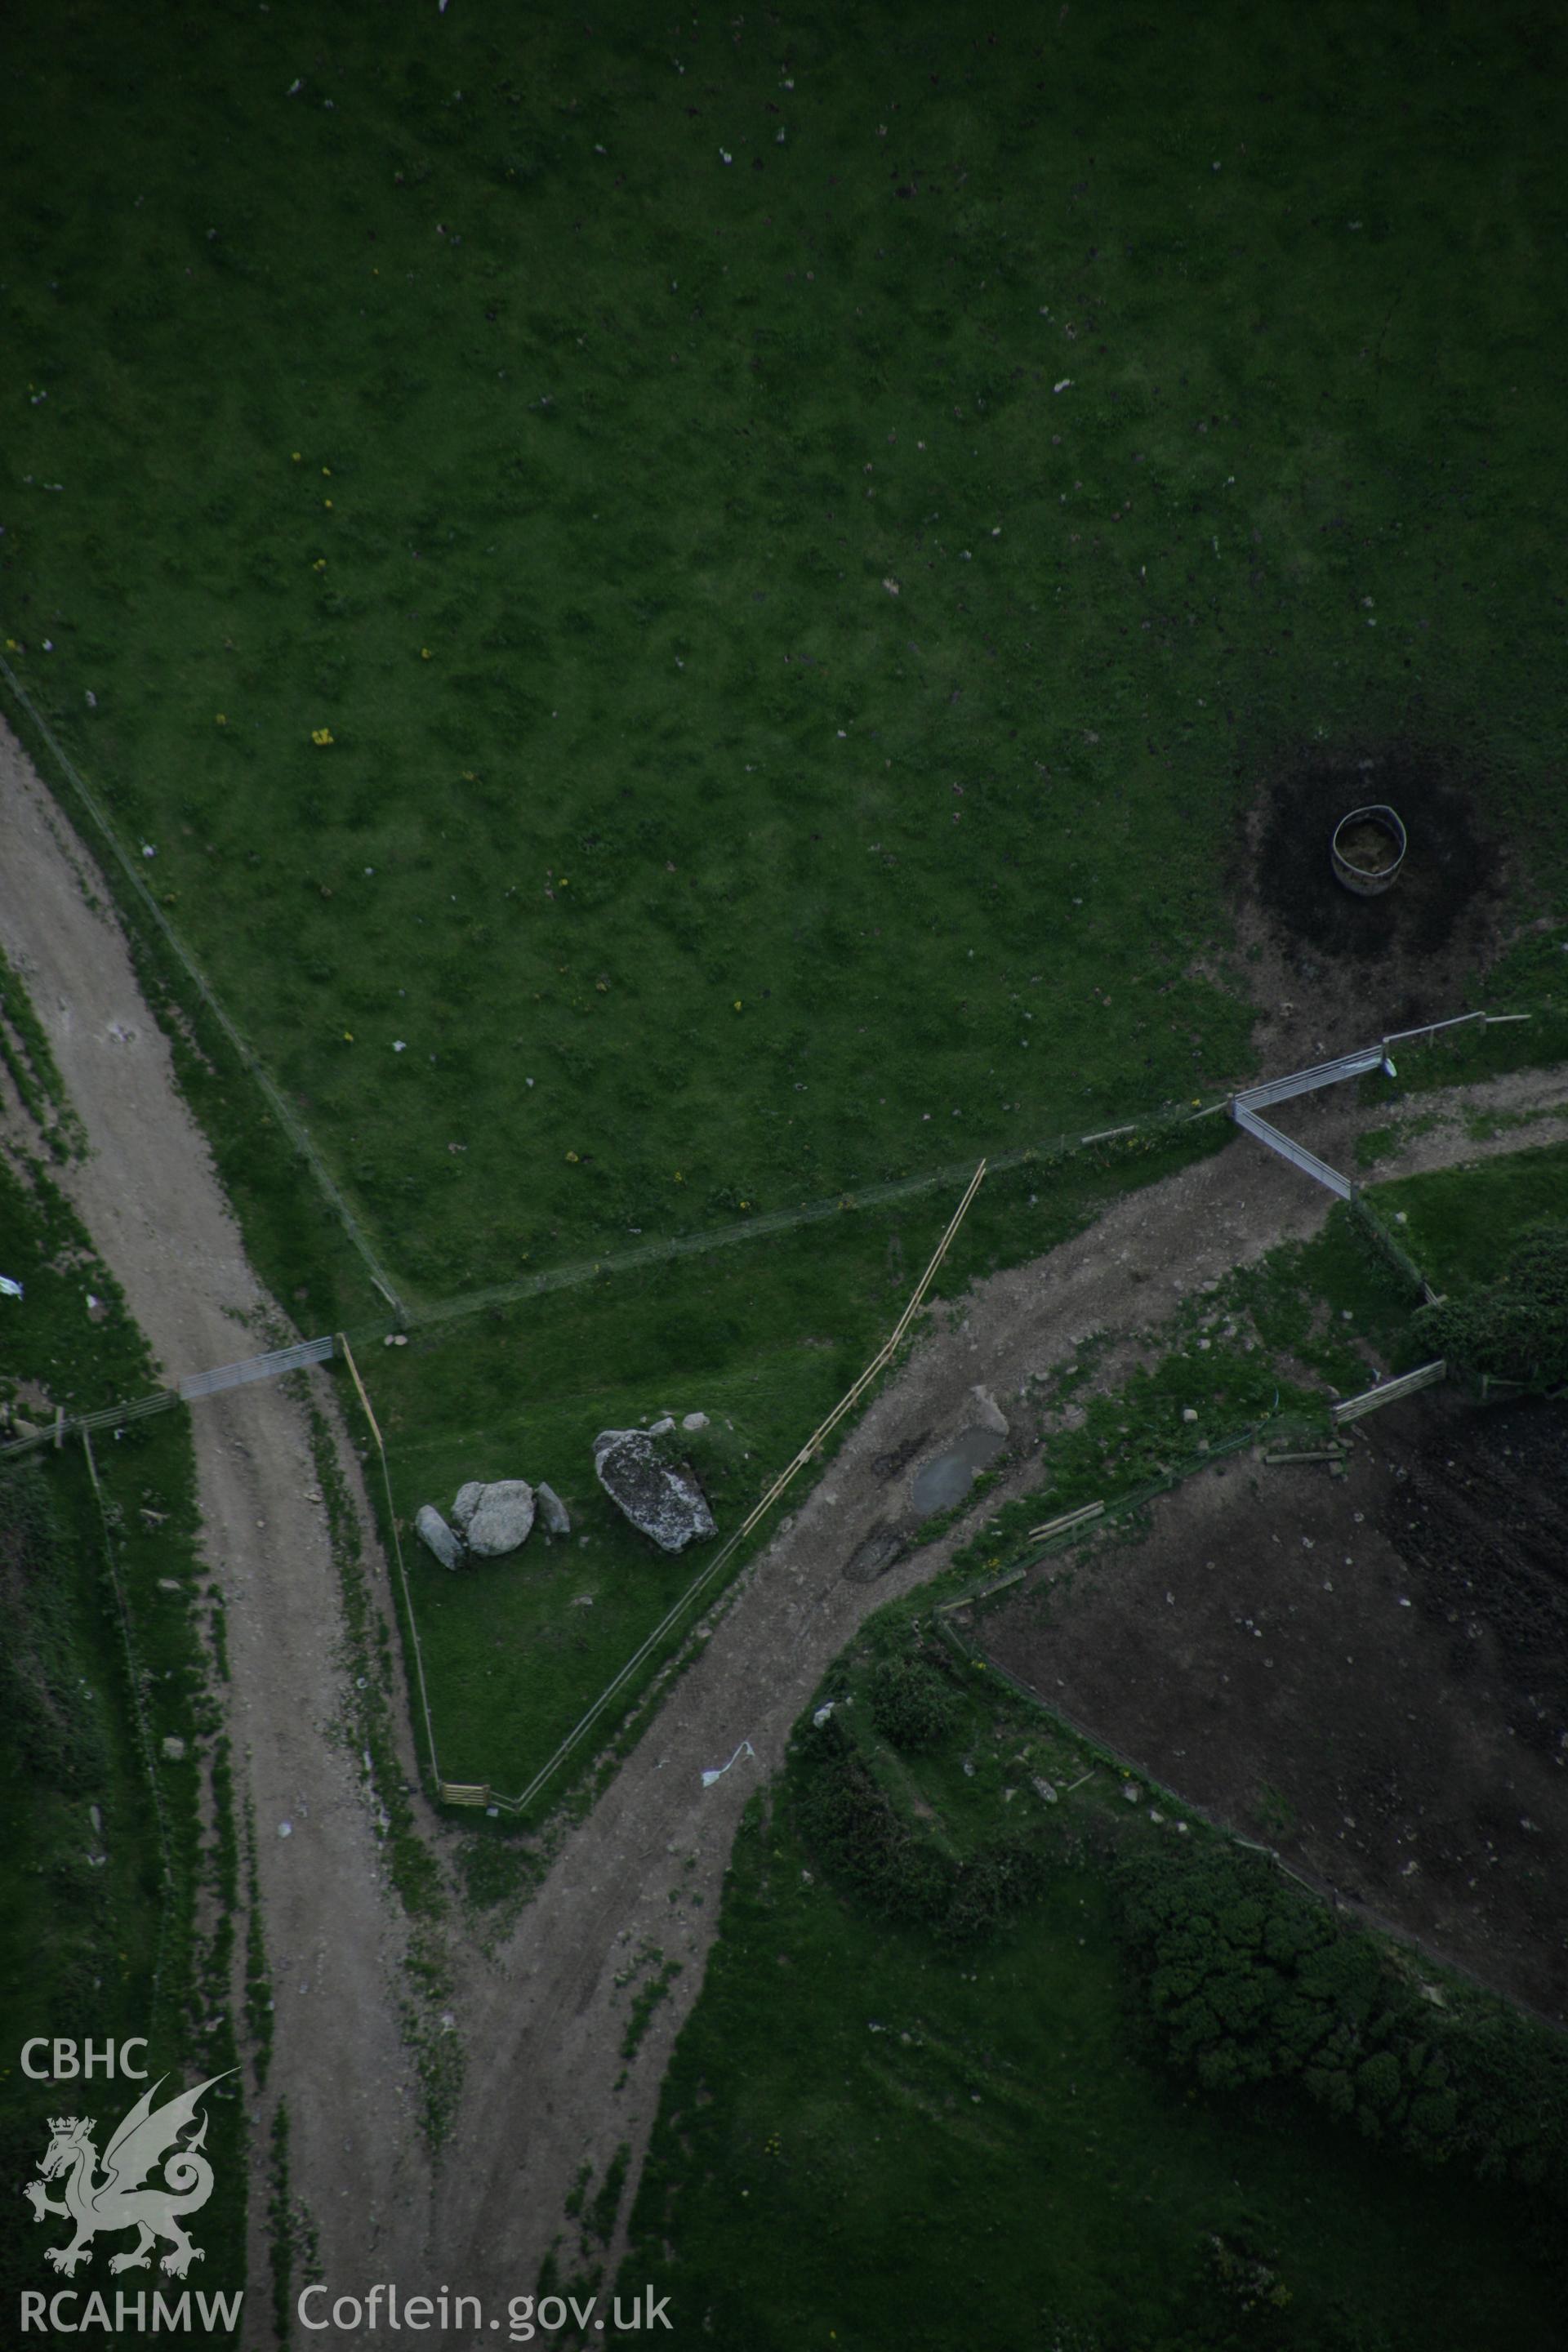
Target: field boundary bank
point(249, 1060)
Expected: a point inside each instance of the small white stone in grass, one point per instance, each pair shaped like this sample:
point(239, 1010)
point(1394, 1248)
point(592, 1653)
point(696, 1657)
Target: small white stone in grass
point(725, 158)
point(398, 1045)
point(1064, 385)
point(148, 850)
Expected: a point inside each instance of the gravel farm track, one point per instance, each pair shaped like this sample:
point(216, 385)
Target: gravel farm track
point(540, 2016)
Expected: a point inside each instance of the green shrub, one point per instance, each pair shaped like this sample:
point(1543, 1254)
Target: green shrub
point(911, 1704)
point(861, 1840)
point(1246, 1980)
point(1515, 1328)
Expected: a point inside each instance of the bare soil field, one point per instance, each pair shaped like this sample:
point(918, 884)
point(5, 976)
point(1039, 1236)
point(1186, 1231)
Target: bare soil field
point(1368, 1673)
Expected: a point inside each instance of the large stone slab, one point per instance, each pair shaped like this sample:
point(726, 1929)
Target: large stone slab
point(433, 1532)
point(552, 1510)
point(658, 1494)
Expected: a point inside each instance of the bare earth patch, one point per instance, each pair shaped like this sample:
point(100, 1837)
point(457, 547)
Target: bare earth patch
point(1368, 1673)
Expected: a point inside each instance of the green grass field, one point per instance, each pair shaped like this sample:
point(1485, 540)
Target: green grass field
point(436, 385)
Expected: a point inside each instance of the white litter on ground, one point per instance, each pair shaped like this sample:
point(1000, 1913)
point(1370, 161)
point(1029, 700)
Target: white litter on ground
point(717, 1771)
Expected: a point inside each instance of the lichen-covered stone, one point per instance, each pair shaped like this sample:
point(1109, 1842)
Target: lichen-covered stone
point(502, 1520)
point(659, 1495)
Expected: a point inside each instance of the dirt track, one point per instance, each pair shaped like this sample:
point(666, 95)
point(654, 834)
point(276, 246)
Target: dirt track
point(541, 2022)
point(149, 1198)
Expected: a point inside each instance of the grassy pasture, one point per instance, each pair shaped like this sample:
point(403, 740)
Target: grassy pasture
point(436, 386)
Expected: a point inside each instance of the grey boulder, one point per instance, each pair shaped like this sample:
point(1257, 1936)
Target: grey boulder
point(552, 1510)
point(467, 1504)
point(501, 1519)
point(436, 1535)
point(660, 1497)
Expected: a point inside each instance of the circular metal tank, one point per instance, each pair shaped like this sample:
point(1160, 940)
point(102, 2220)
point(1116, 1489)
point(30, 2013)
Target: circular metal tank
point(1367, 850)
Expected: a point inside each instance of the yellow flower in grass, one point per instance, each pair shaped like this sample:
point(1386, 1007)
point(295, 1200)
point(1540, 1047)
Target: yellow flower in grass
point(573, 1157)
point(319, 564)
point(222, 722)
point(321, 737)
point(424, 652)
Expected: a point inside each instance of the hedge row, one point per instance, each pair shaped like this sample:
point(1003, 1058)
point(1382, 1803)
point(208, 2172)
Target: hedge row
point(1246, 1980)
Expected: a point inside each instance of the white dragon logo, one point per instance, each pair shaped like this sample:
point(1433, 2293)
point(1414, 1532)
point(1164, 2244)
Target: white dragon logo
point(117, 2201)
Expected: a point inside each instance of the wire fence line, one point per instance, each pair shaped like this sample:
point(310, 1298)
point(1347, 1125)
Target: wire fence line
point(348, 1357)
point(280, 1109)
point(785, 1220)
point(1247, 1103)
point(257, 1367)
point(195, 1385)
